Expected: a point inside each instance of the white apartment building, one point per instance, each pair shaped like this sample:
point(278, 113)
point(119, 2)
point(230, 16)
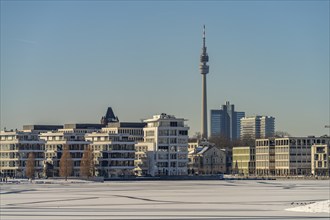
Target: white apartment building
point(257, 127)
point(15, 147)
point(167, 140)
point(114, 154)
point(134, 130)
point(72, 136)
point(141, 162)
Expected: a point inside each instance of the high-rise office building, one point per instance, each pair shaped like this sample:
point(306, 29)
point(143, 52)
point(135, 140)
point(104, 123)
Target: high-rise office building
point(257, 127)
point(226, 121)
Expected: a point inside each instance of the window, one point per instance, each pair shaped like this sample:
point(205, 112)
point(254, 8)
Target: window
point(173, 124)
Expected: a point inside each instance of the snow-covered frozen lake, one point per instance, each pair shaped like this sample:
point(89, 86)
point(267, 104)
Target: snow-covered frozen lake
point(167, 200)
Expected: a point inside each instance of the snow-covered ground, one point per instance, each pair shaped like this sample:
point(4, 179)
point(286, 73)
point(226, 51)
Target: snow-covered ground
point(323, 206)
point(240, 199)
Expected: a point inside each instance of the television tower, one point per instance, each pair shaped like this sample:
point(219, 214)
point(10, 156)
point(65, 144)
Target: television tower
point(204, 68)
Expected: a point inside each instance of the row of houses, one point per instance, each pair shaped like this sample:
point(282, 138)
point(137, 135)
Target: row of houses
point(285, 156)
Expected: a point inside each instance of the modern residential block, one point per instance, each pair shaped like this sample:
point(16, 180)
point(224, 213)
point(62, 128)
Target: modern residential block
point(167, 140)
point(15, 147)
point(114, 154)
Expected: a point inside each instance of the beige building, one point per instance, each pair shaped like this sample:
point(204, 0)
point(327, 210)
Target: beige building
point(206, 159)
point(265, 157)
point(244, 160)
point(320, 159)
point(293, 154)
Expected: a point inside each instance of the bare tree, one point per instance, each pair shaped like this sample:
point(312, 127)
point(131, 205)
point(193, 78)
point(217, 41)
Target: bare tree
point(30, 166)
point(87, 164)
point(66, 164)
point(248, 141)
point(221, 141)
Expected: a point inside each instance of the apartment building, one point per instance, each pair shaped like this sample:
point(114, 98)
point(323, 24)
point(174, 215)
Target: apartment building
point(71, 136)
point(15, 147)
point(114, 154)
point(167, 140)
point(134, 130)
point(141, 162)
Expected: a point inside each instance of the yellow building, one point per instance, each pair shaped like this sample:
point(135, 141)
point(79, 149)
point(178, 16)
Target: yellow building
point(244, 160)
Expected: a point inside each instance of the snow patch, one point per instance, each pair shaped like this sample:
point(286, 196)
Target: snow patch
point(323, 206)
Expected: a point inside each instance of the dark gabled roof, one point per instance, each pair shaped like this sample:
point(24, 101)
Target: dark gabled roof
point(110, 114)
point(109, 117)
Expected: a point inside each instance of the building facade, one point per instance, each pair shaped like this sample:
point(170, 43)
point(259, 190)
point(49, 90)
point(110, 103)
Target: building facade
point(166, 138)
point(134, 130)
point(226, 122)
point(265, 157)
point(320, 159)
point(15, 147)
point(114, 154)
point(293, 154)
point(255, 127)
point(244, 160)
point(206, 159)
point(71, 136)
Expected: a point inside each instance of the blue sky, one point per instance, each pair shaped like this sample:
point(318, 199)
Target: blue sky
point(67, 61)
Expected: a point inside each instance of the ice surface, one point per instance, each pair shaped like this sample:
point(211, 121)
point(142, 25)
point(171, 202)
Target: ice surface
point(240, 199)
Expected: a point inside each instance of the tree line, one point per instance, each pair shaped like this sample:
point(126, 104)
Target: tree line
point(66, 164)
